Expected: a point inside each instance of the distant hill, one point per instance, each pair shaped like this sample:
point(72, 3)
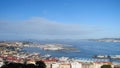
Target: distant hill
point(106, 40)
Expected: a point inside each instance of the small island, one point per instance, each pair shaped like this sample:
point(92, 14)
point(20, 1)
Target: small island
point(59, 47)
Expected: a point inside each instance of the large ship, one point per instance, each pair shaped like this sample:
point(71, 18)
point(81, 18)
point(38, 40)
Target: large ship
point(101, 56)
point(116, 57)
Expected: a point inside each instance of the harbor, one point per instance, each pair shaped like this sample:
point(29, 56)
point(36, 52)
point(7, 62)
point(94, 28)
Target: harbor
point(32, 52)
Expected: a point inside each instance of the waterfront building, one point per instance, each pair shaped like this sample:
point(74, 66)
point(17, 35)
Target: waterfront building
point(87, 65)
point(65, 65)
point(31, 62)
point(55, 65)
point(49, 62)
point(76, 65)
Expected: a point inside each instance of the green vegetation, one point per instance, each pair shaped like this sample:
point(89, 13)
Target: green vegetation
point(106, 66)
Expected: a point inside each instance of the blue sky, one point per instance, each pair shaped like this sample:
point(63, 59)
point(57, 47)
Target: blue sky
point(59, 19)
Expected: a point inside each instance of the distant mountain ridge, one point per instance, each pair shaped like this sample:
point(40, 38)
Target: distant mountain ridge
point(107, 40)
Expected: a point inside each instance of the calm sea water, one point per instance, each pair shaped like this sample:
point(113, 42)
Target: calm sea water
point(87, 48)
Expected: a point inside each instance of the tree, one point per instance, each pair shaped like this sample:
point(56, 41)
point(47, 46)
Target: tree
point(106, 66)
point(13, 65)
point(30, 66)
point(40, 64)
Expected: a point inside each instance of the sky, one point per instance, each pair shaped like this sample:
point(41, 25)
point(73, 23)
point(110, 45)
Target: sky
point(59, 19)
